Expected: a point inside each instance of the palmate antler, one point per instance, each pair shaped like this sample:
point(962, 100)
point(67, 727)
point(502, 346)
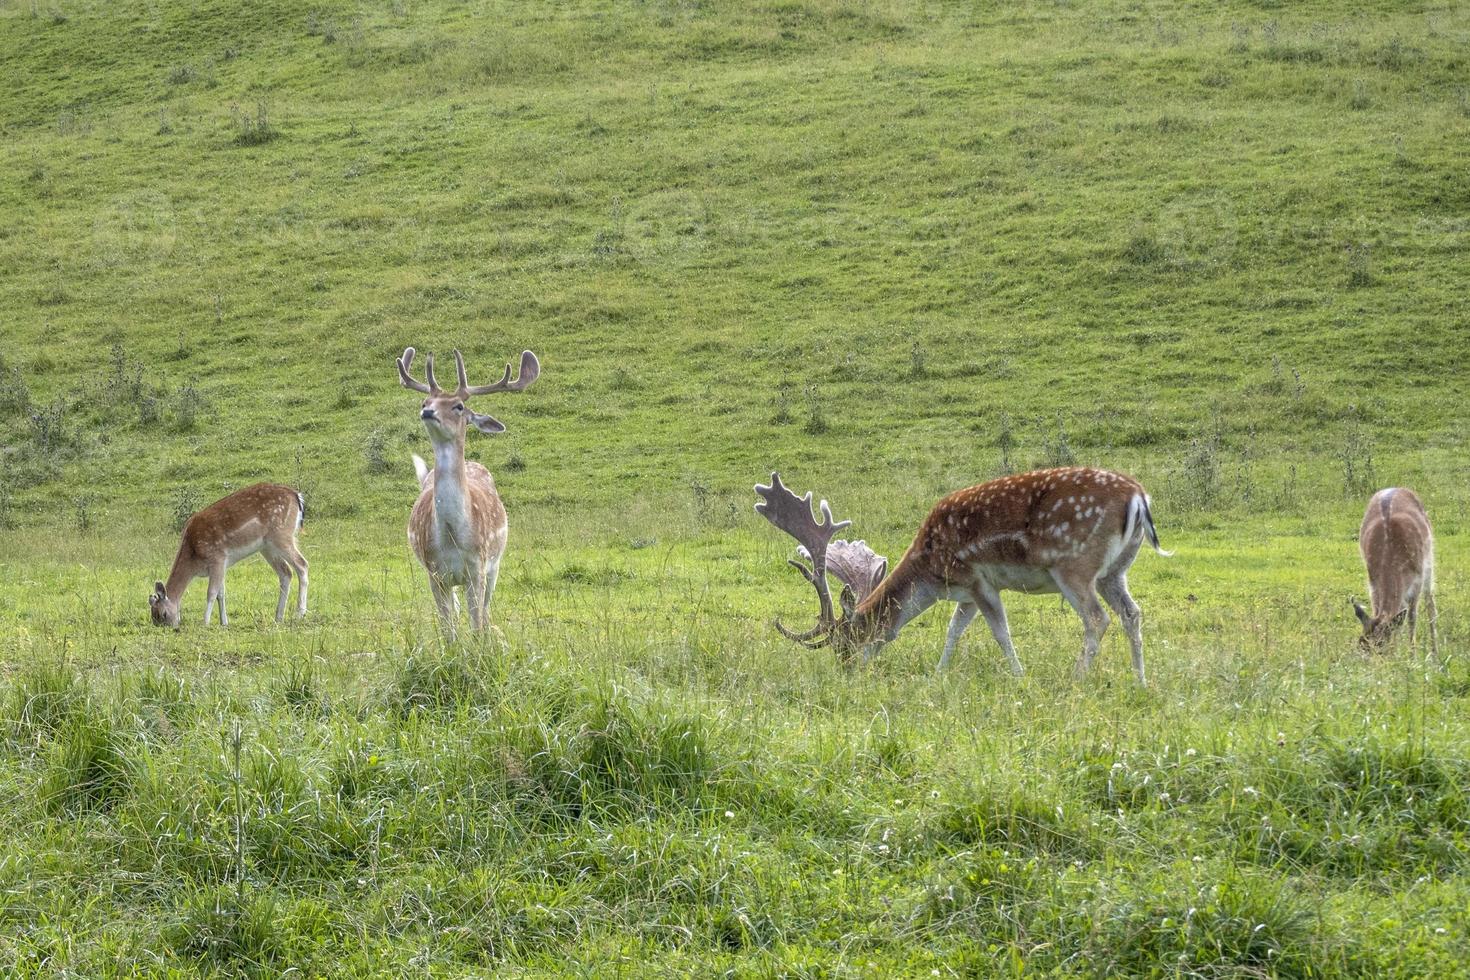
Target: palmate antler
point(855, 565)
point(793, 515)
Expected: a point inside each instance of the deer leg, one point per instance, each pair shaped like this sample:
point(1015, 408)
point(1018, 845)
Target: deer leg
point(1081, 593)
point(216, 594)
point(474, 593)
point(444, 600)
point(298, 562)
point(1433, 613)
point(1114, 590)
point(988, 602)
point(964, 612)
point(492, 575)
point(278, 562)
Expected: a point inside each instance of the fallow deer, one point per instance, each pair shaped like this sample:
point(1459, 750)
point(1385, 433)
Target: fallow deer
point(458, 526)
point(265, 518)
point(1074, 530)
point(1398, 549)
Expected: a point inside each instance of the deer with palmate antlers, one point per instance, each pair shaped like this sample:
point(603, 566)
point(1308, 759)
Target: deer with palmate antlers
point(458, 526)
point(1398, 549)
point(264, 518)
point(1074, 530)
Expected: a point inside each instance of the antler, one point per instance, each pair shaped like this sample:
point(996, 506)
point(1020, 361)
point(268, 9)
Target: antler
point(530, 371)
point(855, 565)
point(793, 515)
point(406, 361)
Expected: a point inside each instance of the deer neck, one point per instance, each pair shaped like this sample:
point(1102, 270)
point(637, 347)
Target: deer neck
point(186, 569)
point(451, 503)
point(899, 598)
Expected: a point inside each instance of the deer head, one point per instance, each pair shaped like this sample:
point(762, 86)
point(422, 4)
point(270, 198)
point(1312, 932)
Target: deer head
point(445, 413)
point(852, 563)
point(1377, 630)
point(163, 610)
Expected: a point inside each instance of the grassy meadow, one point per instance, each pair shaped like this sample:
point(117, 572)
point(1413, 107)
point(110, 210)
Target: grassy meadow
point(890, 249)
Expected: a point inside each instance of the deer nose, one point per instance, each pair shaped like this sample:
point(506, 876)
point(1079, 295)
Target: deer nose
point(427, 413)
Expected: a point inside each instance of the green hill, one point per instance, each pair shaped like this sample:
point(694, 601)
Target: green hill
point(890, 249)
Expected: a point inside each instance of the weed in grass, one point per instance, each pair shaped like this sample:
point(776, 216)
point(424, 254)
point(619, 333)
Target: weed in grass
point(1359, 260)
point(441, 680)
point(1005, 441)
point(1058, 450)
point(86, 765)
point(300, 690)
point(1200, 470)
point(253, 129)
point(41, 700)
point(15, 394)
point(816, 415)
point(918, 362)
point(183, 503)
point(219, 927)
point(1361, 98)
point(783, 414)
point(375, 451)
point(188, 404)
point(82, 516)
point(1144, 249)
point(159, 702)
point(1355, 454)
point(712, 509)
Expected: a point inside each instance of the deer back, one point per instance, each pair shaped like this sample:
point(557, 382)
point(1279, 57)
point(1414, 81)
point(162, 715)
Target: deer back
point(1034, 519)
point(1396, 542)
point(242, 520)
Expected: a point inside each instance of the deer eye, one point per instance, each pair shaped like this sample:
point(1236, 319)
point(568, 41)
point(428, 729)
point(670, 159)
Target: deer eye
point(459, 407)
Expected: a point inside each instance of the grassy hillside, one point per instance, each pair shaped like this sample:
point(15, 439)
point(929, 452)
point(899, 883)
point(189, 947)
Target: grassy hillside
point(888, 249)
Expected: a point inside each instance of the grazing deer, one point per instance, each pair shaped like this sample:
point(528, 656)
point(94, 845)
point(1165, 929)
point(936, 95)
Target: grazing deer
point(1074, 530)
point(264, 518)
point(1398, 548)
point(458, 528)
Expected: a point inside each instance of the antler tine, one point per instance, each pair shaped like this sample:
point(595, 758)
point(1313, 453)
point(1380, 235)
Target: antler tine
point(429, 373)
point(464, 383)
point(793, 515)
point(404, 363)
point(530, 371)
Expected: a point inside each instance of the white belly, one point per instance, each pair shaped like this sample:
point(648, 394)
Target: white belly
point(1017, 578)
point(233, 555)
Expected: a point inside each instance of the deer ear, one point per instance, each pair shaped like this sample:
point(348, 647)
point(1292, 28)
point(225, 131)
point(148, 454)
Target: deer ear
point(1363, 616)
point(1398, 620)
point(486, 424)
point(879, 574)
point(159, 589)
point(848, 601)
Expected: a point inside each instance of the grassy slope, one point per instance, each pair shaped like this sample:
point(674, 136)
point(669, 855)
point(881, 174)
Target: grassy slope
point(1221, 249)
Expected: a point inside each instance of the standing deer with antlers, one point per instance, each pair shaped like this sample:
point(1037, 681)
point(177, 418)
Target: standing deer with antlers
point(1398, 549)
point(458, 526)
point(1074, 530)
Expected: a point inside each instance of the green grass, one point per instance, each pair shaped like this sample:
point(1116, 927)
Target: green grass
point(889, 249)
